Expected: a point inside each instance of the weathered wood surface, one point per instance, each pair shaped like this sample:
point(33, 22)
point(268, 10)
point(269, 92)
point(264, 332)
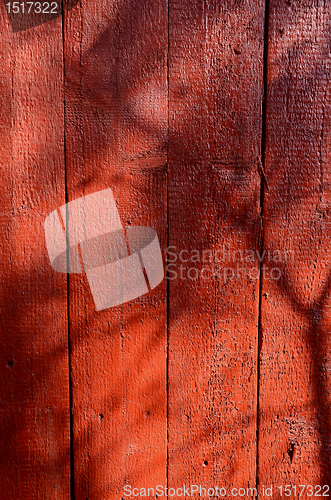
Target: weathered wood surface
point(34, 401)
point(116, 136)
point(215, 125)
point(218, 381)
point(294, 442)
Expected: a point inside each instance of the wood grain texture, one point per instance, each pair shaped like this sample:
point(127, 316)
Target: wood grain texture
point(215, 122)
point(295, 359)
point(34, 401)
point(147, 410)
point(116, 132)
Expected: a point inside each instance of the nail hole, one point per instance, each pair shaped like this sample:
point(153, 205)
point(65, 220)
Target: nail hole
point(205, 462)
point(291, 451)
point(10, 364)
point(101, 418)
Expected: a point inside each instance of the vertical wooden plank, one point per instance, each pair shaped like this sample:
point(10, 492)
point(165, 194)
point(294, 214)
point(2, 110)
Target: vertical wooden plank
point(116, 133)
point(34, 401)
point(295, 358)
point(215, 115)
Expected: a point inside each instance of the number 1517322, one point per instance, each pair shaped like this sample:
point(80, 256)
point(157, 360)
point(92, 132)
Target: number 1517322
point(32, 7)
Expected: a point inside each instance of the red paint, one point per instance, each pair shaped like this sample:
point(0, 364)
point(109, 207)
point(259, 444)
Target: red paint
point(295, 381)
point(218, 381)
point(116, 132)
point(34, 406)
point(216, 60)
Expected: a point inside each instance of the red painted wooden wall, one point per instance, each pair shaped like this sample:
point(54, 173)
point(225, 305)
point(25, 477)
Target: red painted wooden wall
point(210, 121)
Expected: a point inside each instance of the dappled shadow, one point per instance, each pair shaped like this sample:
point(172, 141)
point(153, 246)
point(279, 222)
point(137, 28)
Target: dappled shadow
point(199, 187)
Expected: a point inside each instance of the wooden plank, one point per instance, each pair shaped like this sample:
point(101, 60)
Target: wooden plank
point(34, 402)
point(215, 117)
point(295, 359)
point(116, 131)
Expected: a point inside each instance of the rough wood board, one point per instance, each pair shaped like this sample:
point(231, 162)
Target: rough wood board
point(215, 123)
point(34, 407)
point(116, 136)
point(116, 131)
point(294, 440)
